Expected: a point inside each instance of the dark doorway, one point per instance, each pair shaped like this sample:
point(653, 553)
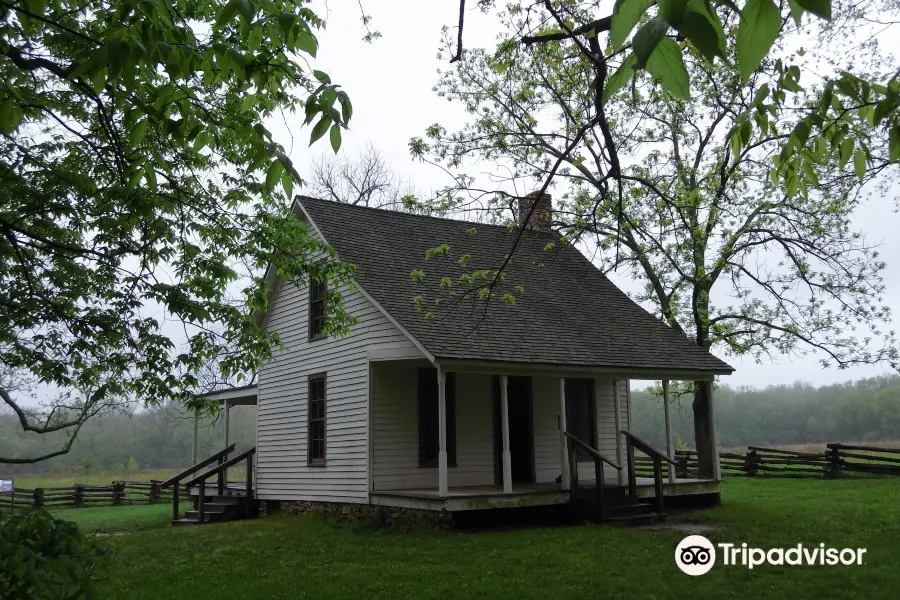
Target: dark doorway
point(521, 431)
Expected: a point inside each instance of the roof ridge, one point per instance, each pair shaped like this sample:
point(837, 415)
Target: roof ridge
point(505, 228)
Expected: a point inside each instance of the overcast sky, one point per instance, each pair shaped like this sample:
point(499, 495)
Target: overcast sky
point(390, 83)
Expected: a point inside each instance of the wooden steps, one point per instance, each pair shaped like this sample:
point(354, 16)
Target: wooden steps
point(219, 509)
point(618, 508)
point(214, 501)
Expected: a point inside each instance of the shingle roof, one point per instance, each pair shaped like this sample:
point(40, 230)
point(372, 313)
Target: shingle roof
point(568, 314)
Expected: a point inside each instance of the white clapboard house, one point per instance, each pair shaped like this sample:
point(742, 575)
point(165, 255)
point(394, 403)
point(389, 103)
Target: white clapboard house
point(468, 409)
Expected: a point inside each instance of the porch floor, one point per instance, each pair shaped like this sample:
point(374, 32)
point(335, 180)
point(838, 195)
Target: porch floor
point(523, 494)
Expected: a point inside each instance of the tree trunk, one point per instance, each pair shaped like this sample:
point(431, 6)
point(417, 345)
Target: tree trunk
point(702, 429)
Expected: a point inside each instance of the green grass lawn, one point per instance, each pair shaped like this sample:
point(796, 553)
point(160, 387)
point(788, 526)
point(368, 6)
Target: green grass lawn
point(109, 519)
point(300, 557)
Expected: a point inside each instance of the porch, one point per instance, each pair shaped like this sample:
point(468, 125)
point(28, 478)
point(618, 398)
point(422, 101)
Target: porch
point(524, 495)
point(474, 438)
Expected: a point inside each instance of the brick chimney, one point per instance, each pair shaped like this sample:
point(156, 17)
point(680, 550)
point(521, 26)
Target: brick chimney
point(540, 218)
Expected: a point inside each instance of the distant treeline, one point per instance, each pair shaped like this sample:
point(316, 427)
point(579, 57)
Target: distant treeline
point(148, 439)
point(865, 410)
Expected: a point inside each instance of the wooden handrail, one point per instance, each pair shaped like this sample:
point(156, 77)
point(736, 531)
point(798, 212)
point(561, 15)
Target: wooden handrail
point(221, 467)
point(591, 451)
point(193, 469)
point(645, 447)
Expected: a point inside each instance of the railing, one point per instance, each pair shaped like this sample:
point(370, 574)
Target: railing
point(219, 469)
point(175, 480)
point(631, 442)
point(572, 442)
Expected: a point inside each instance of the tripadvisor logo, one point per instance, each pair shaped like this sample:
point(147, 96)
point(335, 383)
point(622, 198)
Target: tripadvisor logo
point(696, 555)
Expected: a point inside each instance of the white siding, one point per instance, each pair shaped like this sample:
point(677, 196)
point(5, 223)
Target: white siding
point(546, 428)
point(396, 430)
point(282, 470)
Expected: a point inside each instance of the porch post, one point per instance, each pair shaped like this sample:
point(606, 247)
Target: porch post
point(504, 421)
point(442, 432)
point(563, 450)
point(617, 407)
point(194, 439)
point(227, 431)
point(670, 448)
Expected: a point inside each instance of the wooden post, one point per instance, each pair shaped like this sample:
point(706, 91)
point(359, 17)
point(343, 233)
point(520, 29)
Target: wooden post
point(154, 492)
point(227, 431)
point(37, 497)
point(504, 421)
point(658, 484)
point(573, 476)
point(118, 493)
point(220, 478)
point(670, 445)
point(194, 439)
point(175, 490)
point(617, 406)
point(248, 489)
point(201, 500)
point(442, 433)
point(563, 446)
point(632, 476)
point(79, 496)
point(601, 495)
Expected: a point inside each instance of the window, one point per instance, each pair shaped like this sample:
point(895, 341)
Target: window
point(316, 420)
point(317, 293)
point(429, 425)
point(581, 416)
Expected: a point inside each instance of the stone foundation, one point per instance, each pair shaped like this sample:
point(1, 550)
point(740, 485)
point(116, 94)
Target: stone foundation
point(366, 514)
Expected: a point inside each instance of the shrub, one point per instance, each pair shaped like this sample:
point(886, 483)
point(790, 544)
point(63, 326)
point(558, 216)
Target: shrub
point(133, 464)
point(46, 558)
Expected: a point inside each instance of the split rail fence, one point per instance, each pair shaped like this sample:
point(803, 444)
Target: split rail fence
point(836, 460)
point(83, 495)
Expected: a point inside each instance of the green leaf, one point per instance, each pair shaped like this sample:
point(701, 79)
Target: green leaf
point(759, 26)
point(821, 8)
point(10, 115)
point(335, 137)
point(704, 32)
point(894, 144)
point(667, 66)
point(746, 132)
point(287, 182)
point(626, 14)
point(139, 132)
point(322, 76)
point(307, 43)
point(150, 176)
point(846, 151)
point(346, 107)
point(859, 164)
point(620, 77)
point(672, 11)
point(320, 129)
point(226, 14)
point(246, 10)
point(796, 11)
point(248, 102)
point(647, 38)
point(276, 169)
point(254, 40)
